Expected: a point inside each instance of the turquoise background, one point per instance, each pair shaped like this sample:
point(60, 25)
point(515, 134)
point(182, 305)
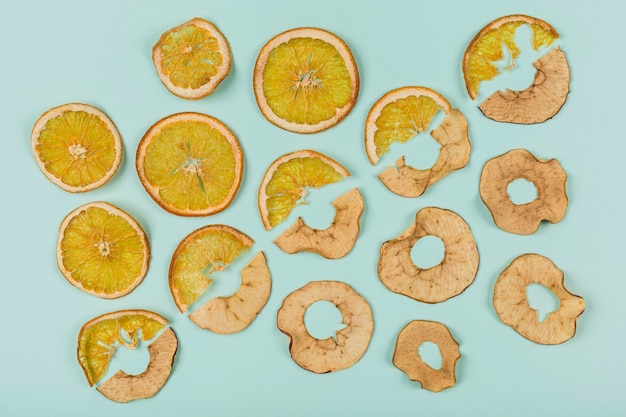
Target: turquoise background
point(100, 53)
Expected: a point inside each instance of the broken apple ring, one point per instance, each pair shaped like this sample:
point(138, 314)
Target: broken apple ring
point(402, 114)
point(99, 338)
point(511, 304)
point(326, 355)
point(548, 92)
point(407, 359)
point(449, 278)
point(523, 219)
point(333, 242)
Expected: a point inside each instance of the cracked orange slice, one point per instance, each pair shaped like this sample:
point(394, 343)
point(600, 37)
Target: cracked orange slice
point(286, 181)
point(191, 164)
point(486, 48)
point(99, 338)
point(305, 80)
point(102, 250)
point(192, 59)
point(77, 147)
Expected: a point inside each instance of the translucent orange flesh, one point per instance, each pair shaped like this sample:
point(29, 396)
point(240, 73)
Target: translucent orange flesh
point(305, 81)
point(289, 181)
point(401, 120)
point(102, 251)
point(209, 251)
point(77, 147)
point(192, 165)
point(190, 56)
point(488, 50)
point(99, 341)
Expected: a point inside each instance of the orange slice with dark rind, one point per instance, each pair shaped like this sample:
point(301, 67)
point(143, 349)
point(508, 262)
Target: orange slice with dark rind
point(77, 147)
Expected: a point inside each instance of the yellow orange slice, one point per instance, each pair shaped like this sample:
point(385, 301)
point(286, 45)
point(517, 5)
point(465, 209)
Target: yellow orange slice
point(192, 59)
point(102, 250)
point(399, 116)
point(305, 80)
point(286, 181)
point(99, 338)
point(485, 49)
point(191, 164)
point(202, 253)
point(77, 147)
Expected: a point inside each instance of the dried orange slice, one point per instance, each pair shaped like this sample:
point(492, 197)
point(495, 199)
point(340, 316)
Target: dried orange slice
point(99, 338)
point(192, 59)
point(286, 181)
point(305, 80)
point(549, 90)
point(191, 164)
point(402, 114)
point(77, 147)
point(102, 250)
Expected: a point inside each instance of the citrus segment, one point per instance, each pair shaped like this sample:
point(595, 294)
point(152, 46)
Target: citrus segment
point(191, 164)
point(399, 116)
point(192, 59)
point(305, 80)
point(486, 47)
point(102, 250)
point(202, 253)
point(286, 180)
point(77, 147)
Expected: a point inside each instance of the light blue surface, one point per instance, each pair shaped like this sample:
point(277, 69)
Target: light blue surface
point(100, 53)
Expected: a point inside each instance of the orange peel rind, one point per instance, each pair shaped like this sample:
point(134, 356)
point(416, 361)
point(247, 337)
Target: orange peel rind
point(407, 359)
point(512, 307)
point(334, 242)
point(549, 179)
point(452, 276)
point(402, 114)
point(327, 355)
point(99, 338)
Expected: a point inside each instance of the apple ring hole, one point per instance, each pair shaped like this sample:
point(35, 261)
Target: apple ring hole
point(323, 320)
point(522, 191)
point(430, 354)
point(541, 299)
point(428, 251)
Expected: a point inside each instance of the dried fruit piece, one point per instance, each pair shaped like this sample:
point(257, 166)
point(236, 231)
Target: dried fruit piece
point(509, 300)
point(99, 338)
point(192, 59)
point(452, 276)
point(547, 94)
point(402, 114)
point(209, 250)
point(305, 80)
point(191, 164)
point(77, 147)
point(327, 355)
point(548, 177)
point(407, 359)
point(102, 250)
point(333, 242)
point(234, 313)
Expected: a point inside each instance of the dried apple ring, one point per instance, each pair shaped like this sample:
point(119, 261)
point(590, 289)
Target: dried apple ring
point(326, 355)
point(407, 359)
point(436, 284)
point(509, 300)
point(401, 115)
point(334, 242)
point(523, 219)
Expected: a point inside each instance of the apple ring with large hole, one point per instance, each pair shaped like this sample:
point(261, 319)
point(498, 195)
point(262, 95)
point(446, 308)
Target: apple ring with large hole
point(549, 179)
point(99, 338)
point(511, 304)
point(198, 257)
point(284, 187)
point(407, 359)
point(326, 355)
point(544, 97)
point(401, 115)
point(449, 278)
